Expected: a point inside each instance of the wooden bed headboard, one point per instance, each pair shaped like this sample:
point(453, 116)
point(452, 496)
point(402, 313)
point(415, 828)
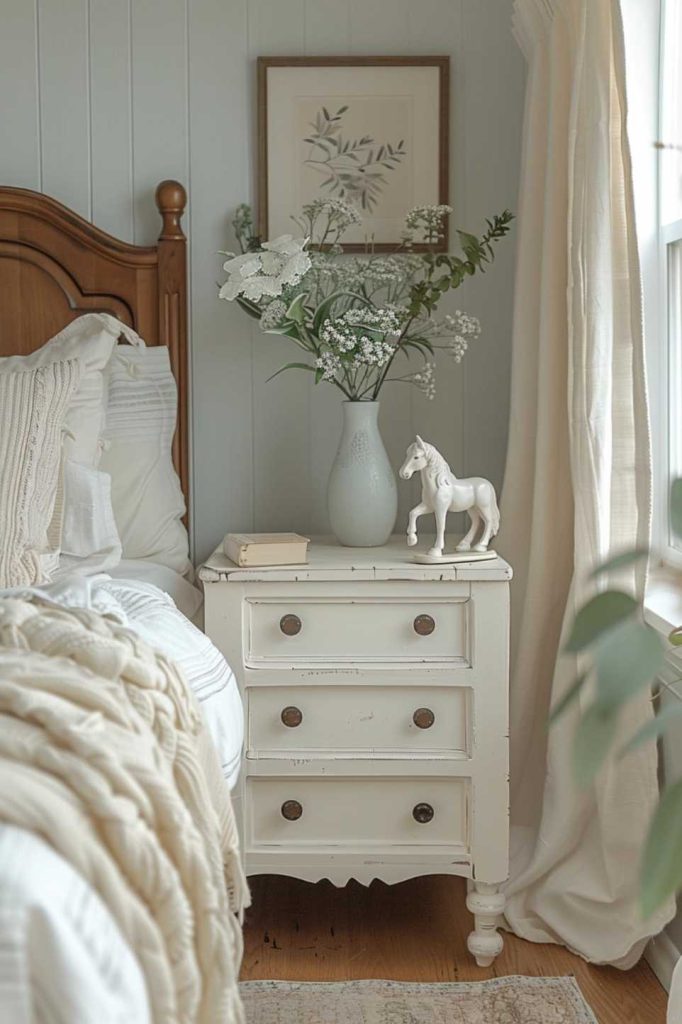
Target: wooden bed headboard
point(55, 266)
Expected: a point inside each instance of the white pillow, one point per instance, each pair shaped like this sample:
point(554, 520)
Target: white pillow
point(140, 423)
point(90, 542)
point(34, 400)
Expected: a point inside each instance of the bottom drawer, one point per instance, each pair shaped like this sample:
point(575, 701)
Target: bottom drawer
point(357, 812)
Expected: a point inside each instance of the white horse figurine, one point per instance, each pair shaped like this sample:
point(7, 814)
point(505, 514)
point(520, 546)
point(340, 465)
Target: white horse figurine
point(442, 492)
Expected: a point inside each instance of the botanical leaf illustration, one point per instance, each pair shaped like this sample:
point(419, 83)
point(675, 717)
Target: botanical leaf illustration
point(351, 169)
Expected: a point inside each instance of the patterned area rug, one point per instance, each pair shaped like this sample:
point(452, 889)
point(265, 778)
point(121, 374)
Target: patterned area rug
point(501, 1001)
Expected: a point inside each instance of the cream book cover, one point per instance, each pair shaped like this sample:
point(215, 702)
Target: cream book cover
point(258, 549)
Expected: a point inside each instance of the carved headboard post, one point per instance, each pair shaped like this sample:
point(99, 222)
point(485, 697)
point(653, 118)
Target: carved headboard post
point(171, 200)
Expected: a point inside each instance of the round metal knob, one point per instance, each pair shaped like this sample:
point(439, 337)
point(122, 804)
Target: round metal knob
point(290, 625)
point(424, 625)
point(292, 717)
point(292, 810)
point(423, 718)
point(423, 813)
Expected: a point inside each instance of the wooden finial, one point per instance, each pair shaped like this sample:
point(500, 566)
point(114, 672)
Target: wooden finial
point(171, 200)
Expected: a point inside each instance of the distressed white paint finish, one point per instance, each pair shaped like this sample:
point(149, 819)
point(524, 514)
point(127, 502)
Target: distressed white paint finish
point(109, 98)
point(357, 764)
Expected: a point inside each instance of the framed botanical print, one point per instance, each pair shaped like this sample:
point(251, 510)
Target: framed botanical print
point(372, 131)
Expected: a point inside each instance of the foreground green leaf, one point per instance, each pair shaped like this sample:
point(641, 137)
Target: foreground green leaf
point(593, 739)
point(598, 616)
point(571, 695)
point(621, 561)
point(675, 637)
point(627, 659)
point(661, 873)
point(653, 729)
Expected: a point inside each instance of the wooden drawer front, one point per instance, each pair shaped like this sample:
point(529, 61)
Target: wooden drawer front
point(340, 631)
point(358, 719)
point(358, 812)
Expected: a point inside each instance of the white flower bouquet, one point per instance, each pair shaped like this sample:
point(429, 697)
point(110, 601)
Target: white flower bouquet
point(352, 316)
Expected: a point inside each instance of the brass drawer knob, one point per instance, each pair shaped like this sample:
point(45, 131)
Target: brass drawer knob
point(292, 717)
point(424, 625)
point(290, 625)
point(423, 718)
point(292, 810)
point(423, 813)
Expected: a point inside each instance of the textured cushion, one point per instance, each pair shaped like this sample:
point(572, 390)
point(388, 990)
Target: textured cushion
point(34, 401)
point(140, 424)
point(90, 339)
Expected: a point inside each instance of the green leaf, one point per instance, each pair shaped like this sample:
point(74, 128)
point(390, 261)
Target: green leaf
point(626, 659)
point(620, 561)
point(676, 507)
point(661, 872)
point(296, 310)
point(292, 366)
point(599, 615)
point(654, 728)
point(571, 694)
point(593, 737)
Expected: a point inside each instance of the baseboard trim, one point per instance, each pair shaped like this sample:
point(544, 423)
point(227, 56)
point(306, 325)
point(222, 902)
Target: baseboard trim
point(662, 955)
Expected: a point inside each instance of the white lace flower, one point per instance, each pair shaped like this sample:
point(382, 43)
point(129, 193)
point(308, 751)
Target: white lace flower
point(280, 262)
point(329, 363)
point(425, 380)
point(272, 315)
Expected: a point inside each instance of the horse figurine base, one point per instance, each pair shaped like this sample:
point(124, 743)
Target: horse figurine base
point(442, 492)
point(424, 558)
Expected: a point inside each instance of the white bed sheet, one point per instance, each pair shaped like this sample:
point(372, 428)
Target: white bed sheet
point(62, 957)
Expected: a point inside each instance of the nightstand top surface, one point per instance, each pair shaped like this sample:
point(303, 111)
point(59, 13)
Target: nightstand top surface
point(328, 560)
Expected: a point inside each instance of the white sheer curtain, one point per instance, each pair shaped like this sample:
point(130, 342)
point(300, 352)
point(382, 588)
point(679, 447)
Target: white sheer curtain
point(577, 483)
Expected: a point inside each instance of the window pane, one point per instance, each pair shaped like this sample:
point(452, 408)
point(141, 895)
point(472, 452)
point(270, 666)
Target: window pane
point(671, 153)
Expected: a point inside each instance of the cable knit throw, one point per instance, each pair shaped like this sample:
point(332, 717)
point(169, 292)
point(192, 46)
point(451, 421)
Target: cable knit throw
point(103, 752)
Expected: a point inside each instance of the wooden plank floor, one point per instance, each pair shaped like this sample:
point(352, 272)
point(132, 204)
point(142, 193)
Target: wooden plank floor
point(415, 931)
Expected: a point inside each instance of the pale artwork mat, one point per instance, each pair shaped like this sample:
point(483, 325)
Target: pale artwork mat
point(513, 1000)
point(387, 117)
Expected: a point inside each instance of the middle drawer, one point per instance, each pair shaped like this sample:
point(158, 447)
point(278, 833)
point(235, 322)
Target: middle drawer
point(396, 719)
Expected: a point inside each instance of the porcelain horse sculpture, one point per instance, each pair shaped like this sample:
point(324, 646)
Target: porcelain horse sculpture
point(442, 492)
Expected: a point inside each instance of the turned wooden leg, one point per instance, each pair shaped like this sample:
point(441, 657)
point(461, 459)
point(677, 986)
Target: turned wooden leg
point(486, 903)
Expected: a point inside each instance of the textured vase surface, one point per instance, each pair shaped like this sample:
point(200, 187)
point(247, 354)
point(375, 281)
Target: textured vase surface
point(362, 496)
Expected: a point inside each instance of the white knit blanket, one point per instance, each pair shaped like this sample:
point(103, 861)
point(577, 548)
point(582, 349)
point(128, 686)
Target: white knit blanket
point(103, 753)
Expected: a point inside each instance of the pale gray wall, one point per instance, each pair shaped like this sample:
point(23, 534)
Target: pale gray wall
point(101, 99)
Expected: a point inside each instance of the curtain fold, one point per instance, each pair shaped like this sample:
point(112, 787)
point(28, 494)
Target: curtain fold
point(578, 477)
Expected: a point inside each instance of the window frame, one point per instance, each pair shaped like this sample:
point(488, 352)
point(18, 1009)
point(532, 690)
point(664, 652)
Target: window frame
point(669, 460)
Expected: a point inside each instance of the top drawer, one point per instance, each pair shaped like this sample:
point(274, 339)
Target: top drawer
point(296, 628)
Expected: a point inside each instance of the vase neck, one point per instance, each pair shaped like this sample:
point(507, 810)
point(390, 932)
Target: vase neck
point(360, 413)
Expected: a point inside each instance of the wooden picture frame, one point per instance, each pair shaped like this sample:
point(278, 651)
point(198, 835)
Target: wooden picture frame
point(411, 100)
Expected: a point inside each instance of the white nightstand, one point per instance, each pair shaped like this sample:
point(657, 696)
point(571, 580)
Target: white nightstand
point(376, 701)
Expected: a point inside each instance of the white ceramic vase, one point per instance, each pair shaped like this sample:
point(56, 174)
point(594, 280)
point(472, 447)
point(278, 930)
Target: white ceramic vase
point(362, 496)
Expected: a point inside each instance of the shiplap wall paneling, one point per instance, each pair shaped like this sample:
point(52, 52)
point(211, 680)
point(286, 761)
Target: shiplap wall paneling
point(219, 177)
point(490, 76)
point(281, 408)
point(65, 117)
point(159, 111)
point(111, 109)
point(19, 108)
